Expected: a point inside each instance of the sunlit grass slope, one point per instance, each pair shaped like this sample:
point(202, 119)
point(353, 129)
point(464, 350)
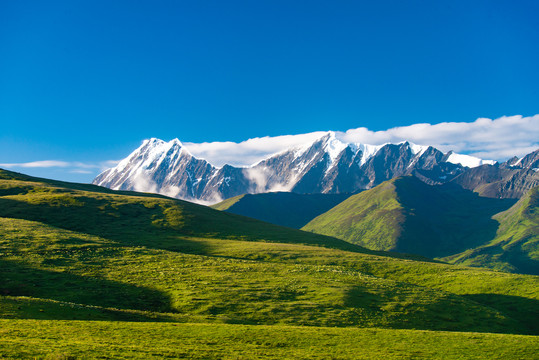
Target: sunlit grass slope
point(373, 218)
point(447, 222)
point(119, 340)
point(516, 245)
point(71, 251)
point(281, 208)
point(134, 217)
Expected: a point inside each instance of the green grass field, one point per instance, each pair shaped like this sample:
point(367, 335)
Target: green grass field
point(121, 340)
point(516, 245)
point(159, 271)
point(44, 339)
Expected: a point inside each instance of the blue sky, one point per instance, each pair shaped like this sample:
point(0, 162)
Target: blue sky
point(87, 81)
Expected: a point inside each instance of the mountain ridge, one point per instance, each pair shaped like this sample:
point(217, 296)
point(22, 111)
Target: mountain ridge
point(444, 222)
point(326, 165)
point(510, 179)
point(281, 208)
point(73, 251)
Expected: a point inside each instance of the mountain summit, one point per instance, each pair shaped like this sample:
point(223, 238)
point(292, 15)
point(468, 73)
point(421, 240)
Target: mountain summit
point(326, 165)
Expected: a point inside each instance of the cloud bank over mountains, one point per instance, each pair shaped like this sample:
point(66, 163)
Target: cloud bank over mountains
point(497, 139)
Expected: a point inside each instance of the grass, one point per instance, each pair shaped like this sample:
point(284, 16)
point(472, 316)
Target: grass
point(372, 218)
point(120, 340)
point(441, 222)
point(156, 270)
point(516, 244)
point(233, 282)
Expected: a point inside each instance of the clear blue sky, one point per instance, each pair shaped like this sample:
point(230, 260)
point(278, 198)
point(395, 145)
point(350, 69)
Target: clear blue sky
point(88, 80)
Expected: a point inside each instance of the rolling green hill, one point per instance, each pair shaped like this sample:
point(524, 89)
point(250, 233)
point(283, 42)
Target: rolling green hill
point(446, 222)
point(373, 218)
point(80, 252)
point(281, 208)
point(516, 245)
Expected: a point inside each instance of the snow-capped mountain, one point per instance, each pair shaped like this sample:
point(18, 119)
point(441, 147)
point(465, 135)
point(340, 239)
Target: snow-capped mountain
point(326, 165)
point(510, 179)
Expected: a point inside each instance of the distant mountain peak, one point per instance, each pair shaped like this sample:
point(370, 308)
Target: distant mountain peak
point(325, 165)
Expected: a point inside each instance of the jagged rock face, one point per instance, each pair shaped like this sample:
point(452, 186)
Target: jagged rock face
point(510, 179)
point(226, 182)
point(165, 168)
point(346, 175)
point(326, 165)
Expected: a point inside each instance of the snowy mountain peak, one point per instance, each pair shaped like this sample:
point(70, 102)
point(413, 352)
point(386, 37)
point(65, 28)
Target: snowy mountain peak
point(417, 150)
point(324, 165)
point(332, 146)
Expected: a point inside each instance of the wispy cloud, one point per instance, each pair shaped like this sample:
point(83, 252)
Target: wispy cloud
point(249, 151)
point(81, 171)
point(496, 139)
point(73, 167)
point(38, 164)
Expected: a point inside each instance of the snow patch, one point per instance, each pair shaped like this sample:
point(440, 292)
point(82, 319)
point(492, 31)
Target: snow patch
point(334, 147)
point(417, 150)
point(468, 160)
point(367, 151)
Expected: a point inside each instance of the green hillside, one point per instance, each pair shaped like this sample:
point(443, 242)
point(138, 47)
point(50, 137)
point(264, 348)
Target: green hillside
point(80, 252)
point(373, 218)
point(516, 245)
point(409, 216)
point(281, 208)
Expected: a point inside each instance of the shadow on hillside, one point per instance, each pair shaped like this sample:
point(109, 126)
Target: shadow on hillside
point(21, 280)
point(523, 310)
point(286, 208)
point(445, 220)
point(400, 308)
point(126, 223)
point(157, 223)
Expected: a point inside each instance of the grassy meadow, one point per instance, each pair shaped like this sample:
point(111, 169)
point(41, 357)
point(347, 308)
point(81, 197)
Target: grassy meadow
point(122, 340)
point(88, 272)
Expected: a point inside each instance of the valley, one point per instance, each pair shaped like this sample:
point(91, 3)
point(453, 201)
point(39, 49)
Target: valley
point(75, 254)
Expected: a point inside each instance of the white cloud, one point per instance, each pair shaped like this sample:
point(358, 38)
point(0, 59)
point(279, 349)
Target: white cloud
point(249, 151)
point(81, 171)
point(104, 165)
point(38, 164)
point(497, 139)
point(143, 183)
point(71, 167)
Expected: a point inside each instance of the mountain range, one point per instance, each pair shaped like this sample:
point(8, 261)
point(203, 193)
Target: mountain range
point(83, 252)
point(394, 197)
point(326, 165)
point(124, 271)
point(444, 222)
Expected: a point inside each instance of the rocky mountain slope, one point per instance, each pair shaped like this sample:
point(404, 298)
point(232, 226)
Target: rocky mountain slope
point(511, 179)
point(326, 165)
